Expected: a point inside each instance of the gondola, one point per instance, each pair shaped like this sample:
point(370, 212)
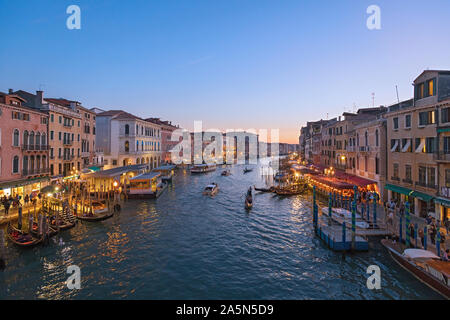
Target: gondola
point(247, 170)
point(249, 199)
point(226, 173)
point(271, 189)
point(21, 238)
point(52, 231)
point(96, 217)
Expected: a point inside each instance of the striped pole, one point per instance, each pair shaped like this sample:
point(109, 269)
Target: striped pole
point(354, 225)
point(401, 229)
point(438, 243)
point(425, 237)
point(368, 212)
point(330, 205)
point(416, 228)
point(355, 190)
point(344, 230)
point(374, 211)
point(407, 221)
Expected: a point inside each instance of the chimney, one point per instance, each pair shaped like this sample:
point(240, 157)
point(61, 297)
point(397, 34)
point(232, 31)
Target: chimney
point(72, 105)
point(39, 98)
point(10, 91)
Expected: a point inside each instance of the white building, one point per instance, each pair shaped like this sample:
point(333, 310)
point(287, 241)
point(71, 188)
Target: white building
point(126, 139)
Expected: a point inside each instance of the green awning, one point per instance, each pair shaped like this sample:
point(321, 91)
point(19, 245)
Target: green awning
point(423, 196)
point(94, 168)
point(444, 202)
point(443, 130)
point(398, 189)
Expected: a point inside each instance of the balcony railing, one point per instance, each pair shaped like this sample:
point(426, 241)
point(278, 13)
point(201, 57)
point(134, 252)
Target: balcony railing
point(364, 149)
point(426, 185)
point(68, 142)
point(66, 157)
point(33, 172)
point(35, 147)
point(442, 156)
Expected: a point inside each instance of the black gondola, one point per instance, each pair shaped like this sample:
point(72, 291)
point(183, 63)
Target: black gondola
point(21, 238)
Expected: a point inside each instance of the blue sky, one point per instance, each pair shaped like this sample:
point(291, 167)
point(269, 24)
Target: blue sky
point(232, 64)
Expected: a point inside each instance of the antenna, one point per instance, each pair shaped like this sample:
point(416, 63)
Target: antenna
point(396, 89)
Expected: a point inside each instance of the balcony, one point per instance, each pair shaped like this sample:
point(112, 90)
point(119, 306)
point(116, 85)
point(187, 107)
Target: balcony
point(33, 172)
point(351, 149)
point(426, 185)
point(68, 142)
point(364, 149)
point(442, 156)
point(66, 157)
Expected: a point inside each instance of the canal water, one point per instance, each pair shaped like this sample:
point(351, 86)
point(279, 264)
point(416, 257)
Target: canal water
point(188, 246)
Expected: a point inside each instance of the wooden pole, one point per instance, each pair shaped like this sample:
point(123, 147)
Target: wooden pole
point(2, 250)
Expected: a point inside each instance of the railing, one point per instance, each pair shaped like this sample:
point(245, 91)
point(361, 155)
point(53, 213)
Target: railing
point(68, 142)
point(407, 181)
point(426, 185)
point(32, 172)
point(441, 156)
point(364, 149)
point(351, 149)
point(35, 147)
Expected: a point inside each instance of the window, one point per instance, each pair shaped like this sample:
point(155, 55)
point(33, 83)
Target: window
point(16, 164)
point(426, 118)
point(127, 129)
point(447, 178)
point(395, 177)
point(127, 146)
point(377, 138)
point(60, 119)
point(59, 136)
point(445, 115)
point(430, 145)
point(431, 177)
point(447, 145)
point(377, 165)
point(51, 135)
point(52, 117)
point(366, 139)
point(16, 138)
point(430, 88)
point(395, 120)
point(408, 177)
point(408, 121)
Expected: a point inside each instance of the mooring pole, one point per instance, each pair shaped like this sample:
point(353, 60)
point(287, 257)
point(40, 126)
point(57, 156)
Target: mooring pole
point(354, 226)
point(425, 237)
point(330, 208)
point(438, 244)
point(2, 250)
point(407, 222)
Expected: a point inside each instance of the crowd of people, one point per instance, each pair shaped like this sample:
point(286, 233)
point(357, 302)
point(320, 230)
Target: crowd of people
point(394, 209)
point(17, 201)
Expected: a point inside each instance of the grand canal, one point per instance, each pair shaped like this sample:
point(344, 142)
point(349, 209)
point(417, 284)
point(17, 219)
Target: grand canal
point(187, 246)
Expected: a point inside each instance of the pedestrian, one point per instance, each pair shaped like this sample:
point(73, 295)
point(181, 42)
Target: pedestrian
point(443, 241)
point(422, 238)
point(26, 199)
point(445, 255)
point(432, 232)
point(428, 219)
point(411, 230)
point(6, 204)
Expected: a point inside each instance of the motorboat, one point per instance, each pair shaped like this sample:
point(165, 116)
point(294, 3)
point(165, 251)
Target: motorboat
point(211, 190)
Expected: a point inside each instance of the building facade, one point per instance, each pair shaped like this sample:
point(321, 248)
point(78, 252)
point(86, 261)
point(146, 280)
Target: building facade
point(166, 134)
point(126, 139)
point(24, 152)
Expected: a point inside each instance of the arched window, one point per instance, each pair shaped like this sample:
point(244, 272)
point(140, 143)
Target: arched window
point(38, 138)
point(31, 138)
point(366, 139)
point(357, 140)
point(137, 145)
point(25, 164)
point(44, 139)
point(377, 141)
point(38, 162)
point(15, 164)
point(44, 162)
point(16, 139)
point(127, 129)
point(137, 161)
point(25, 137)
point(127, 146)
point(32, 163)
point(142, 145)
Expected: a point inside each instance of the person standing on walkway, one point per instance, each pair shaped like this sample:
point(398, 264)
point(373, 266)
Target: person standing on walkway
point(422, 238)
point(432, 232)
point(6, 204)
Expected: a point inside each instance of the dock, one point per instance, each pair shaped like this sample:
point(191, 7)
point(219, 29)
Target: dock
point(339, 240)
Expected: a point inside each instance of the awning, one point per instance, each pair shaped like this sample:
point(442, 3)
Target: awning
point(443, 130)
point(422, 196)
point(398, 189)
point(21, 183)
point(442, 201)
point(395, 146)
point(94, 168)
point(407, 145)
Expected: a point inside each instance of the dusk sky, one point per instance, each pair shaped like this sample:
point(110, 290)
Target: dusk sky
point(232, 64)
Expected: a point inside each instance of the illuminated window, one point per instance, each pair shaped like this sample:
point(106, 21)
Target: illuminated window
point(431, 87)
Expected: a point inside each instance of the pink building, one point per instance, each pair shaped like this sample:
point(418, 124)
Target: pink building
point(23, 147)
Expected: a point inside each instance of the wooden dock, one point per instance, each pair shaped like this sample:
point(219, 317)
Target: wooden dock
point(334, 237)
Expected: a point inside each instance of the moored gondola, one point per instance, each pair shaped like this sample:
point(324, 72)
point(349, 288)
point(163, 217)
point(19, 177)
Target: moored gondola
point(96, 217)
point(21, 238)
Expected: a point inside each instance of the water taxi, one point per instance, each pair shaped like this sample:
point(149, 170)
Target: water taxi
point(247, 170)
point(249, 199)
point(226, 173)
point(211, 190)
point(203, 168)
point(422, 264)
point(146, 186)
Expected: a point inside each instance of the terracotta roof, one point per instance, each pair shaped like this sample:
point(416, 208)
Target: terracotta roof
point(118, 114)
point(61, 101)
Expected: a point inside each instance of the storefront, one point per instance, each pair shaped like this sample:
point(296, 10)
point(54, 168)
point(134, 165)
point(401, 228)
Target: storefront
point(23, 187)
point(443, 209)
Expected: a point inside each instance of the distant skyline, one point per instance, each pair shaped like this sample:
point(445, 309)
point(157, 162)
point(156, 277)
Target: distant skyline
point(232, 64)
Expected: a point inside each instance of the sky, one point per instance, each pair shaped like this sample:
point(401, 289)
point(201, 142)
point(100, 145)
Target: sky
point(233, 64)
